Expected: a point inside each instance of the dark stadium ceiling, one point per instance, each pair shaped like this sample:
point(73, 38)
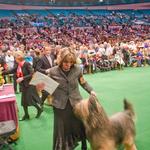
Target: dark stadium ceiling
point(71, 2)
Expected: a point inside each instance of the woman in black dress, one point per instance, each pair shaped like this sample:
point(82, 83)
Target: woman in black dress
point(68, 129)
point(24, 72)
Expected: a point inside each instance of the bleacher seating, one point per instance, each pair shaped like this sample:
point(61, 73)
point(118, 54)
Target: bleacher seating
point(5, 13)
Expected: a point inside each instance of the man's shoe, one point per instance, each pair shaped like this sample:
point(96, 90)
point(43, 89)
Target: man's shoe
point(25, 117)
point(42, 106)
point(17, 92)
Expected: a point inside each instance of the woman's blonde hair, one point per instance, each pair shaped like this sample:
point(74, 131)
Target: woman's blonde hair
point(19, 53)
point(66, 54)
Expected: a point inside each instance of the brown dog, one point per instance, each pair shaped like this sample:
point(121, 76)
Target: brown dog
point(105, 133)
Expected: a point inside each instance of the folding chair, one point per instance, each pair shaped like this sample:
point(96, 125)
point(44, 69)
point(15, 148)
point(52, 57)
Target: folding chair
point(7, 128)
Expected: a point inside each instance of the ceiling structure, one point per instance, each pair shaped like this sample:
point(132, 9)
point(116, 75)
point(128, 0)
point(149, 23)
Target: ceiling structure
point(71, 2)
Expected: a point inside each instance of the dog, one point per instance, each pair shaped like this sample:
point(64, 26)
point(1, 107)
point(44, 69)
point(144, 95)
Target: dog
point(103, 132)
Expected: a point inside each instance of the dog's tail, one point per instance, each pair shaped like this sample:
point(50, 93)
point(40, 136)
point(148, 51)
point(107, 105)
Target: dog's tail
point(129, 108)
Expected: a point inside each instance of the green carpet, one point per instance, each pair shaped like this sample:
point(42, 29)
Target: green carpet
point(111, 88)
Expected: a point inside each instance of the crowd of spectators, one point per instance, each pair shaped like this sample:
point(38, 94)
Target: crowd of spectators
point(105, 42)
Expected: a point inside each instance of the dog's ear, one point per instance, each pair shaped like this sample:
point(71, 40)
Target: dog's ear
point(93, 103)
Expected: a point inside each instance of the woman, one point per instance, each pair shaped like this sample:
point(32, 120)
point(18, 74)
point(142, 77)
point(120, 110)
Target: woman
point(29, 95)
point(2, 81)
point(68, 129)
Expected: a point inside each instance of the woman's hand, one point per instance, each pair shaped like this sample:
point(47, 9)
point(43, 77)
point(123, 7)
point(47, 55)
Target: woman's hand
point(19, 79)
point(1, 68)
point(93, 93)
point(47, 71)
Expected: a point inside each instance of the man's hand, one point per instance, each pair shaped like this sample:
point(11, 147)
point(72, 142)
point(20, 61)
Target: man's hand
point(19, 79)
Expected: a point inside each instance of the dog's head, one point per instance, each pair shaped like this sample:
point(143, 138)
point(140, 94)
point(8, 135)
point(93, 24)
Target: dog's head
point(85, 107)
point(93, 104)
point(81, 109)
point(91, 112)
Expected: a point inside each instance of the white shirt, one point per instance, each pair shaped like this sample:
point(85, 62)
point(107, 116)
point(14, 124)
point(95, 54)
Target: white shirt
point(9, 61)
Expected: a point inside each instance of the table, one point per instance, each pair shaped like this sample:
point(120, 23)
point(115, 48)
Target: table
point(8, 107)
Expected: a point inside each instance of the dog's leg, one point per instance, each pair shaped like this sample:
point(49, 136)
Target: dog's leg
point(106, 149)
point(130, 147)
point(84, 145)
point(133, 147)
point(129, 143)
point(107, 146)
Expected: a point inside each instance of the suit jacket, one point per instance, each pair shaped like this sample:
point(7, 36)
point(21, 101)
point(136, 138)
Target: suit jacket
point(68, 88)
point(35, 62)
point(43, 64)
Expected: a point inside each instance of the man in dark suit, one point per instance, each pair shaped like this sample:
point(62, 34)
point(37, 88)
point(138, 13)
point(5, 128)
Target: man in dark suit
point(44, 63)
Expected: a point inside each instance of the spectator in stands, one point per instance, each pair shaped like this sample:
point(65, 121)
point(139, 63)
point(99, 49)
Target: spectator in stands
point(9, 58)
point(2, 60)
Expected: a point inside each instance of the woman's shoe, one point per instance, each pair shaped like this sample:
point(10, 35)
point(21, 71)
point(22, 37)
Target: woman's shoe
point(84, 145)
point(39, 113)
point(25, 117)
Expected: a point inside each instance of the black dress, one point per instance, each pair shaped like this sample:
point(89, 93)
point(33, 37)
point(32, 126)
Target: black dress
point(27, 71)
point(32, 96)
point(68, 130)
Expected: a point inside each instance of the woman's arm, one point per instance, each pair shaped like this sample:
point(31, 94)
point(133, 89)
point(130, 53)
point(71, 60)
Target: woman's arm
point(85, 85)
point(29, 75)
